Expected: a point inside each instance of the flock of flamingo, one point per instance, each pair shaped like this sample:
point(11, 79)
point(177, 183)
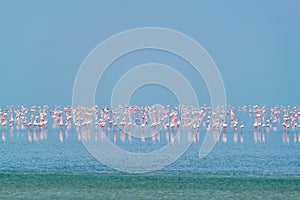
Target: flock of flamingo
point(143, 122)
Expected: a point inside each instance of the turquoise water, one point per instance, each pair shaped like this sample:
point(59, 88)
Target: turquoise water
point(53, 169)
point(162, 185)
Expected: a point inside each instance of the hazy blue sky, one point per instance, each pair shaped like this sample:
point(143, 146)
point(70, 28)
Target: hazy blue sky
point(255, 44)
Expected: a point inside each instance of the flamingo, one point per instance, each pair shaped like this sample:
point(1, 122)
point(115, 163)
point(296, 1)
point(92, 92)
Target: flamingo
point(242, 126)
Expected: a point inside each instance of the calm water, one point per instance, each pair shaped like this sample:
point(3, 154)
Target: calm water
point(55, 169)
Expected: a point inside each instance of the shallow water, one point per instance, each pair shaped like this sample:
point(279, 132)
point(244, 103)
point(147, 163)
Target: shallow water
point(162, 185)
point(55, 169)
